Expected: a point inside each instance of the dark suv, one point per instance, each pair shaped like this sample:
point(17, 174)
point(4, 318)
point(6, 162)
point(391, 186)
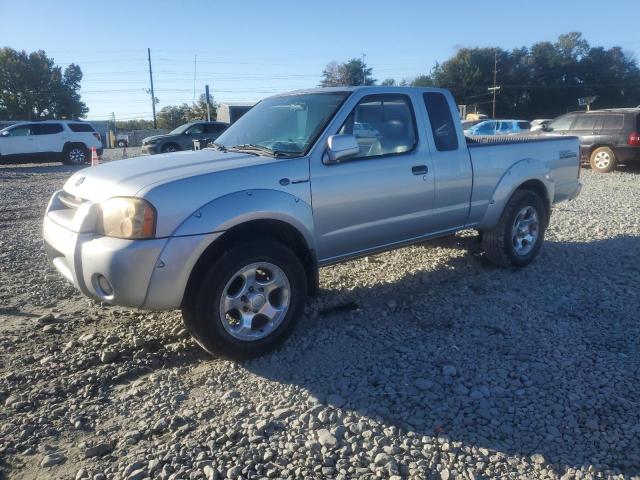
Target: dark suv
point(182, 137)
point(607, 137)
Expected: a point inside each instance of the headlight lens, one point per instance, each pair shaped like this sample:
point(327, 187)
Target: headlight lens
point(125, 217)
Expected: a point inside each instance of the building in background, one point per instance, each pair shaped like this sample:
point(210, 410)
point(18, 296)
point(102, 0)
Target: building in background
point(230, 112)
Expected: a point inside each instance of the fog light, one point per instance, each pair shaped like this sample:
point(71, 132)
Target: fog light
point(104, 288)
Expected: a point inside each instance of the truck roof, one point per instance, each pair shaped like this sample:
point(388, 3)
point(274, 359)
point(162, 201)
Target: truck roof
point(372, 89)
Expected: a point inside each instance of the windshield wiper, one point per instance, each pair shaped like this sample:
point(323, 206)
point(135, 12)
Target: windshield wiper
point(257, 149)
point(217, 146)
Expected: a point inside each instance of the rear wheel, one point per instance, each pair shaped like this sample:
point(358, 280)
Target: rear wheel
point(517, 238)
point(603, 160)
point(248, 301)
point(75, 155)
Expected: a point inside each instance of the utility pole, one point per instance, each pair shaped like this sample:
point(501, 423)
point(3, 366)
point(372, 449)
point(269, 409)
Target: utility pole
point(153, 95)
point(364, 74)
point(495, 87)
point(206, 97)
point(195, 68)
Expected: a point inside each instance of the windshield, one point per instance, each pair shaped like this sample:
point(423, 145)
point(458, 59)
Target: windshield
point(287, 124)
point(181, 129)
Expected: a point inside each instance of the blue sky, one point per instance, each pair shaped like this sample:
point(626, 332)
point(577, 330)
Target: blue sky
point(247, 50)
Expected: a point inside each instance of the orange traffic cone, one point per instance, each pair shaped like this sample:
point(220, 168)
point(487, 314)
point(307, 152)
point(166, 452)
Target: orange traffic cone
point(94, 157)
point(124, 153)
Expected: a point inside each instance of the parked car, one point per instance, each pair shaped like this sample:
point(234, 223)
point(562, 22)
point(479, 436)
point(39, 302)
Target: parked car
point(68, 141)
point(122, 140)
point(499, 127)
point(235, 236)
point(361, 129)
point(182, 137)
point(467, 124)
point(607, 137)
point(539, 123)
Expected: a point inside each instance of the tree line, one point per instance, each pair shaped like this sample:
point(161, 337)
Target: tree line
point(544, 80)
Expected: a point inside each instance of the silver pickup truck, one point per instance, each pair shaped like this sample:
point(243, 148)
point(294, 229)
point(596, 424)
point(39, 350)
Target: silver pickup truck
point(234, 234)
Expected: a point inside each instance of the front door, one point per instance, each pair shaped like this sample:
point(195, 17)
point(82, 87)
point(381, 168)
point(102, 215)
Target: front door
point(384, 194)
point(19, 141)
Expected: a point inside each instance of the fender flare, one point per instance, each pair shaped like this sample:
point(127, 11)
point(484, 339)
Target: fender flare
point(521, 172)
point(244, 206)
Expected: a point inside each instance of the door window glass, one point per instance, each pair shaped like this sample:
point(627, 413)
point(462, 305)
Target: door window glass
point(382, 125)
point(486, 128)
point(22, 131)
point(561, 123)
point(47, 128)
point(585, 122)
point(196, 129)
point(442, 125)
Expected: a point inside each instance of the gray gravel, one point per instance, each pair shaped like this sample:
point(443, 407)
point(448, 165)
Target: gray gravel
point(425, 362)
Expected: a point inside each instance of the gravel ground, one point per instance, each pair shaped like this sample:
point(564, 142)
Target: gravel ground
point(425, 362)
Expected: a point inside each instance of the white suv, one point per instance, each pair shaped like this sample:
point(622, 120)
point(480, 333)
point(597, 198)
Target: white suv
point(70, 141)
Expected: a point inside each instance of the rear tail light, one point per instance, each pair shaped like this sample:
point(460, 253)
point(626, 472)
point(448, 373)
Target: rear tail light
point(97, 135)
point(634, 139)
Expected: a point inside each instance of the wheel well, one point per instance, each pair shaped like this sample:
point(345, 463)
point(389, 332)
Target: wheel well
point(594, 147)
point(538, 187)
point(68, 145)
point(258, 229)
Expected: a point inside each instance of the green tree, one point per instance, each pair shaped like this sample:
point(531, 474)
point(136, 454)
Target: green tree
point(136, 124)
point(422, 81)
point(388, 82)
point(198, 110)
point(173, 116)
point(351, 72)
point(32, 87)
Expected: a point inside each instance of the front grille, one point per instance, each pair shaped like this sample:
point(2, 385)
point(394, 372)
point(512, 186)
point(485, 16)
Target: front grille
point(70, 201)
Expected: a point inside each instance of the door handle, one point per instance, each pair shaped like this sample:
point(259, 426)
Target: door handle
point(419, 169)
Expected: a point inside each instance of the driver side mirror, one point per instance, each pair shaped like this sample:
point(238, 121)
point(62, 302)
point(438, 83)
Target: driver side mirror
point(341, 147)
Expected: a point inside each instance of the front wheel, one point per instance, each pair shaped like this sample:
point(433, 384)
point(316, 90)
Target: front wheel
point(248, 301)
point(517, 238)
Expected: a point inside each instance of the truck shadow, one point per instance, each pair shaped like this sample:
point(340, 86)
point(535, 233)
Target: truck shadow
point(546, 359)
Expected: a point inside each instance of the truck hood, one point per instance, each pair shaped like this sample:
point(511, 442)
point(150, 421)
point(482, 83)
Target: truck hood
point(130, 177)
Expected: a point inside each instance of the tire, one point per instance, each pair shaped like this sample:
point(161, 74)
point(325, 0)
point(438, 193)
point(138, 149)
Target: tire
point(76, 154)
point(170, 147)
point(603, 160)
point(506, 245)
point(122, 143)
point(223, 288)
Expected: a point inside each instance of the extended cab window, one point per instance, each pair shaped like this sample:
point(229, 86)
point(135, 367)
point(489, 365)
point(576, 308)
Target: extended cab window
point(382, 125)
point(442, 126)
point(47, 128)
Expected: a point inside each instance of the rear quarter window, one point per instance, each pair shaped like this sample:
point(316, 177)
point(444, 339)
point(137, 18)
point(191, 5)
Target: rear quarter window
point(81, 127)
point(524, 125)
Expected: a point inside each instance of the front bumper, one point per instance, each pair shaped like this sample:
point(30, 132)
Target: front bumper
point(150, 274)
point(82, 257)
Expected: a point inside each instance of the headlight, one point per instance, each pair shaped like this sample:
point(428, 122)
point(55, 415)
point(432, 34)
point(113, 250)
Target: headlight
point(124, 217)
